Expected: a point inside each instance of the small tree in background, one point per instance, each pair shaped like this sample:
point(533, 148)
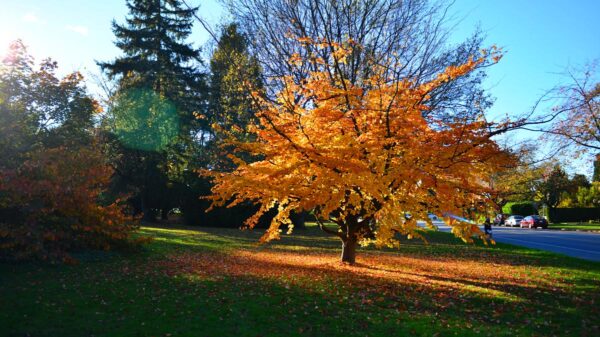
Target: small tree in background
point(569, 196)
point(517, 181)
point(362, 157)
point(231, 106)
point(551, 188)
point(589, 196)
point(52, 174)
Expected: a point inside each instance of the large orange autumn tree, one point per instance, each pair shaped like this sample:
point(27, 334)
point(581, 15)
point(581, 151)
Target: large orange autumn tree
point(362, 156)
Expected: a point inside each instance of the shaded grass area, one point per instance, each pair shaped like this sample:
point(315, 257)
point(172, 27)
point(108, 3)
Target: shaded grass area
point(219, 282)
point(572, 226)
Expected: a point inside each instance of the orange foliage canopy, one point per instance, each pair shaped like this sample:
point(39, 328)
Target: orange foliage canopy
point(361, 155)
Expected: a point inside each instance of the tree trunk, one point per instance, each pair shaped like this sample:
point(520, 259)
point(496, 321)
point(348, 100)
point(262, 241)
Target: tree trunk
point(298, 219)
point(349, 250)
point(164, 214)
point(149, 214)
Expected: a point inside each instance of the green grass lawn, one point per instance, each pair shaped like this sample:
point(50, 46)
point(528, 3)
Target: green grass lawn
point(583, 226)
point(218, 282)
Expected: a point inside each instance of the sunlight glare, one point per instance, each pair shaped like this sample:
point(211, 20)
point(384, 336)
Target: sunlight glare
point(5, 39)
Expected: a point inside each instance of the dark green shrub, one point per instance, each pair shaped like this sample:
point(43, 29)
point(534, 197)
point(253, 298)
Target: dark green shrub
point(520, 208)
point(573, 214)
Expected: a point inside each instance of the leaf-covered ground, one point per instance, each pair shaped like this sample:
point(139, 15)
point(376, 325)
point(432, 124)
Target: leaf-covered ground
point(218, 282)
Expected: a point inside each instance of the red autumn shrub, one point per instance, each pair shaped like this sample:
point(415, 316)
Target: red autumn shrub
point(50, 205)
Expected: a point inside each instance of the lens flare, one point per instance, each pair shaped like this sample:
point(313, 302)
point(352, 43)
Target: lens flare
point(145, 120)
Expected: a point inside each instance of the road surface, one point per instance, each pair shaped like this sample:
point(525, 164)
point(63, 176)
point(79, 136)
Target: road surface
point(584, 245)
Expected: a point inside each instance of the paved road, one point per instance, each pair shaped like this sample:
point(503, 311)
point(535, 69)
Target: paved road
point(578, 244)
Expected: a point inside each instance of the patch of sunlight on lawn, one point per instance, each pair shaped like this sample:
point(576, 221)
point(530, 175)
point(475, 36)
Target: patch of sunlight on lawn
point(178, 241)
point(191, 238)
point(490, 293)
point(172, 231)
point(294, 248)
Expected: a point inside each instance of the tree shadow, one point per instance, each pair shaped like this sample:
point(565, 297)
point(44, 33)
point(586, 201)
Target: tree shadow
point(218, 282)
point(454, 300)
point(441, 245)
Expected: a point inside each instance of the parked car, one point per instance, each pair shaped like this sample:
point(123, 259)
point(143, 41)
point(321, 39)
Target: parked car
point(513, 220)
point(534, 221)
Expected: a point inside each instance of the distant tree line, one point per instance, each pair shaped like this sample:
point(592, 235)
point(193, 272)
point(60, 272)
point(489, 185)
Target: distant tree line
point(529, 188)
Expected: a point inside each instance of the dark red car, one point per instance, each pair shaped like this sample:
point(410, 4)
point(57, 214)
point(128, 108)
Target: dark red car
point(534, 221)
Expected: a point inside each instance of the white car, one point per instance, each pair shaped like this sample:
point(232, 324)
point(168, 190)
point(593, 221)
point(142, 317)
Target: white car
point(513, 221)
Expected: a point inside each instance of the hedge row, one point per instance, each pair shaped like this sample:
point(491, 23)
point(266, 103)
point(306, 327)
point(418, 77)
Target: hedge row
point(519, 208)
point(573, 214)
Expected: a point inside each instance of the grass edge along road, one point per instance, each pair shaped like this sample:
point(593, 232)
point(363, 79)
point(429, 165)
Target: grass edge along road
point(576, 226)
point(215, 281)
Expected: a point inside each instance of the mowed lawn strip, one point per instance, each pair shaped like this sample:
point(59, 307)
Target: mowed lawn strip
point(579, 226)
point(219, 282)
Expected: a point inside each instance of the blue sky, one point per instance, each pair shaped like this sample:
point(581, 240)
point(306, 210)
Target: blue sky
point(540, 37)
point(75, 32)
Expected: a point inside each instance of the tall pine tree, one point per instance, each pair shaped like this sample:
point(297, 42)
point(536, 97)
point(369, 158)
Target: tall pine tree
point(234, 72)
point(156, 55)
point(231, 65)
point(154, 112)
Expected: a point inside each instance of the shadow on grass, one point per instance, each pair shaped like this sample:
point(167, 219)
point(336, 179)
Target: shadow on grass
point(182, 305)
point(440, 244)
point(218, 282)
point(506, 291)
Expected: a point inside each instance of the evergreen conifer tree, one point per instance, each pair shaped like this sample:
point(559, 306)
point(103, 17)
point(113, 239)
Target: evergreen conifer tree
point(160, 94)
point(156, 55)
point(234, 72)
